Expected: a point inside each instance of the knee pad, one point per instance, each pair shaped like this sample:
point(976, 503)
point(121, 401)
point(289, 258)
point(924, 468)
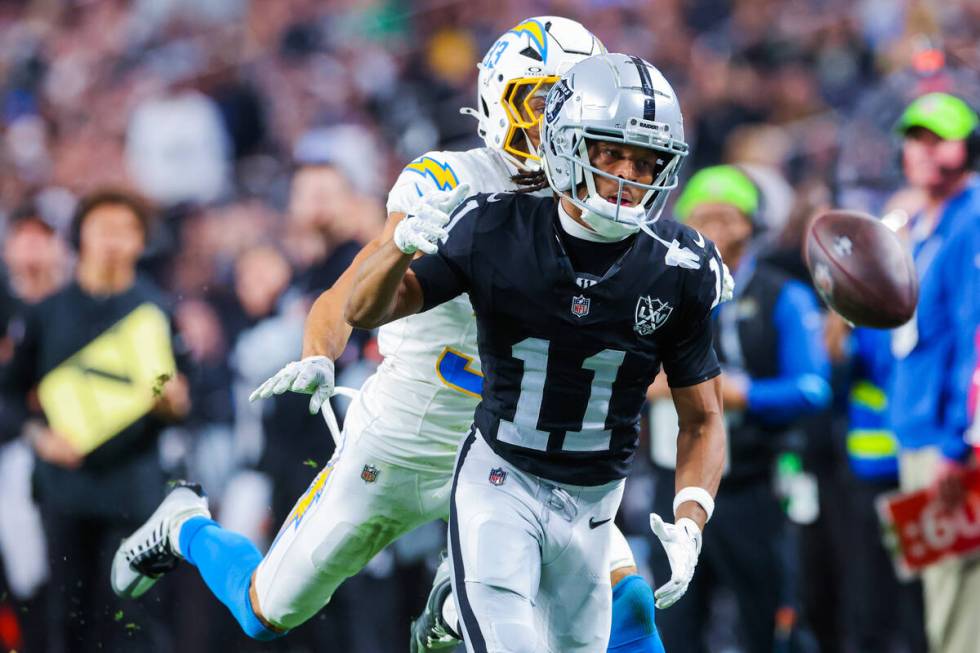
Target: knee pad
point(513, 637)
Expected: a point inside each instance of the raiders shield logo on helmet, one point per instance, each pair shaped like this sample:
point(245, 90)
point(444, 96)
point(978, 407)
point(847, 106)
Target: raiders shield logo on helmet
point(651, 314)
point(559, 94)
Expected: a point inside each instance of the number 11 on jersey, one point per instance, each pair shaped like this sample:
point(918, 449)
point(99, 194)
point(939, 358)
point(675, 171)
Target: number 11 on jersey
point(591, 434)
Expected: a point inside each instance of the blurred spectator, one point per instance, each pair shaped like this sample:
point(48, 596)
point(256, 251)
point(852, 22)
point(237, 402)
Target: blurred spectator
point(35, 258)
point(872, 450)
point(935, 353)
point(178, 149)
point(36, 261)
point(91, 500)
point(326, 219)
point(774, 371)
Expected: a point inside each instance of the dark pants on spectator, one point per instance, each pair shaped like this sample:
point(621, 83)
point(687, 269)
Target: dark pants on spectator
point(743, 551)
point(887, 615)
point(82, 611)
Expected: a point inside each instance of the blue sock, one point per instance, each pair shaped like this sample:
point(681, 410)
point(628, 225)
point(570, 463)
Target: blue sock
point(633, 627)
point(225, 561)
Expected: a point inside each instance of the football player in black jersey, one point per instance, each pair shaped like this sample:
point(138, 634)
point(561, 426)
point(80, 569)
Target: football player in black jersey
point(579, 300)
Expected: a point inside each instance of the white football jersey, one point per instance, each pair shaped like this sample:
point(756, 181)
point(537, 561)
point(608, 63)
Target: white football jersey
point(420, 402)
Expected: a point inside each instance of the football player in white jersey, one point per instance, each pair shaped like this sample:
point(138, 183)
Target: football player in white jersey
point(392, 471)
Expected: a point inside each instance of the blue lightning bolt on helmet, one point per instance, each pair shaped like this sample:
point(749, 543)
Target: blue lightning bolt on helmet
point(523, 63)
point(620, 99)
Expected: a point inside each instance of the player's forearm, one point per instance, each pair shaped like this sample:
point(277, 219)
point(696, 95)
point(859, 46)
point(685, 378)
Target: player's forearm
point(700, 462)
point(379, 287)
point(326, 331)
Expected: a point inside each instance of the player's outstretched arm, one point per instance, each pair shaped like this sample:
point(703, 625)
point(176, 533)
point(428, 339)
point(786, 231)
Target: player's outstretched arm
point(326, 332)
point(325, 336)
point(700, 462)
point(384, 289)
point(700, 443)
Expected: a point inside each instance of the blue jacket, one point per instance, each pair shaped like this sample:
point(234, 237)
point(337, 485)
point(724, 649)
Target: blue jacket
point(872, 447)
point(935, 352)
point(801, 384)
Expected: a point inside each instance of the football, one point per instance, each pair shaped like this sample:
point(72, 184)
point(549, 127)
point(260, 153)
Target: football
point(861, 269)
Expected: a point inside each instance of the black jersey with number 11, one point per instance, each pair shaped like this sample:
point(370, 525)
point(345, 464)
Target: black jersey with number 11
point(566, 368)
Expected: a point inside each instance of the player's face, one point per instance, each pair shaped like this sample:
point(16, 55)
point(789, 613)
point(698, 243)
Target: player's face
point(728, 227)
point(530, 109)
point(931, 162)
point(628, 162)
point(534, 133)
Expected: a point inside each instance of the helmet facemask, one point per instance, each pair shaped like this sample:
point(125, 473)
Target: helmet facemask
point(614, 219)
point(521, 116)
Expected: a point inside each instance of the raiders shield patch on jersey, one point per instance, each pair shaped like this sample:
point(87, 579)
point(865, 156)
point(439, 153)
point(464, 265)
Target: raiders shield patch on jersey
point(497, 476)
point(370, 473)
point(651, 314)
point(580, 306)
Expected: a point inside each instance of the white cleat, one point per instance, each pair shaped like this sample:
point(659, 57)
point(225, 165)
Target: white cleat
point(154, 548)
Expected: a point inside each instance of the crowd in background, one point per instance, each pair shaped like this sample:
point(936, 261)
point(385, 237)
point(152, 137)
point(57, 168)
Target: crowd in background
point(265, 134)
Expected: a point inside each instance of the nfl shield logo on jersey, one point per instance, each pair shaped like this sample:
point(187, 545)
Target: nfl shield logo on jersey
point(497, 476)
point(651, 313)
point(580, 306)
point(370, 473)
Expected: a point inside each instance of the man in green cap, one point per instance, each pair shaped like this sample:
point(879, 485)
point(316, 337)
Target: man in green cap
point(775, 370)
point(935, 352)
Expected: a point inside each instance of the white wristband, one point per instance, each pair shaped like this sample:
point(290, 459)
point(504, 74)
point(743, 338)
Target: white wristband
point(699, 496)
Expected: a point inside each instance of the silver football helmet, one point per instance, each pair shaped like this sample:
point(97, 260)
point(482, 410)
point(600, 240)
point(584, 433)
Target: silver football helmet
point(621, 99)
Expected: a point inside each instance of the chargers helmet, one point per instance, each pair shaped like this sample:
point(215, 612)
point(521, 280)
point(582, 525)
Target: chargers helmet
point(524, 62)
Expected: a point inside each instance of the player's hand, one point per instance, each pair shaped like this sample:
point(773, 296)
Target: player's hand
point(682, 543)
point(313, 375)
point(425, 226)
point(727, 284)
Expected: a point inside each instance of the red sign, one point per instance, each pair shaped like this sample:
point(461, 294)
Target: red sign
point(921, 532)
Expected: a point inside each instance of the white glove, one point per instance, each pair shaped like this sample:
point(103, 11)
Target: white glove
point(682, 543)
point(727, 284)
point(424, 228)
point(312, 375)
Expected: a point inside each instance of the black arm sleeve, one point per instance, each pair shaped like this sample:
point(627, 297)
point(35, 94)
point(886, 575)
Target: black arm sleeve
point(447, 273)
point(689, 357)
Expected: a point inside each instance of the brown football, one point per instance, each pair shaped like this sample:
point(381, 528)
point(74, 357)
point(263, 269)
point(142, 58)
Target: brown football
point(861, 269)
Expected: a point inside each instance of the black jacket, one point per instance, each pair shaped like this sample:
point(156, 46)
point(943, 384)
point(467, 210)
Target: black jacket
point(121, 478)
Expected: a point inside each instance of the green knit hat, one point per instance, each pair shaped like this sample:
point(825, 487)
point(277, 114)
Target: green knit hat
point(943, 114)
point(718, 185)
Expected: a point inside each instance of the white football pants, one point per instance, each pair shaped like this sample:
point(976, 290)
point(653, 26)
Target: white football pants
point(530, 558)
